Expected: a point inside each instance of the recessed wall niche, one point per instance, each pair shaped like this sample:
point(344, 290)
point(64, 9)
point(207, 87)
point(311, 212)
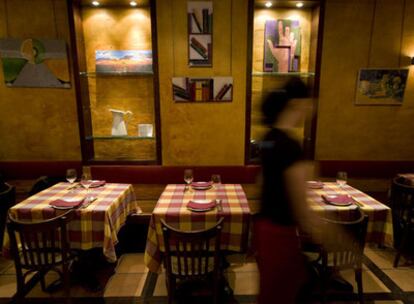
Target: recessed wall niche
point(116, 73)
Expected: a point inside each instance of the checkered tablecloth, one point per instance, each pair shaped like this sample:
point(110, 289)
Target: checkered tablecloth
point(380, 218)
point(96, 225)
point(171, 207)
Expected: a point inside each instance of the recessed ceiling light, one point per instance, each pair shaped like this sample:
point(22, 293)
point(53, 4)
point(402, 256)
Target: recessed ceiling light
point(95, 3)
point(299, 4)
point(268, 4)
point(132, 3)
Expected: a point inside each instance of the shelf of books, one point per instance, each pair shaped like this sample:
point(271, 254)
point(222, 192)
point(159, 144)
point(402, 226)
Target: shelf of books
point(215, 89)
point(200, 28)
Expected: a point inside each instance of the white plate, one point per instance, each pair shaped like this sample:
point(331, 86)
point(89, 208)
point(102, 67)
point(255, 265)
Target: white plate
point(200, 210)
point(200, 201)
point(62, 208)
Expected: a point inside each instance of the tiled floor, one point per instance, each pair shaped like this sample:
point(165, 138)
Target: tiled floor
point(131, 282)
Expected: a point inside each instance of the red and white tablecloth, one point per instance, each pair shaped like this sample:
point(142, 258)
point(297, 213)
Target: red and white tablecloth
point(96, 225)
point(380, 218)
point(171, 207)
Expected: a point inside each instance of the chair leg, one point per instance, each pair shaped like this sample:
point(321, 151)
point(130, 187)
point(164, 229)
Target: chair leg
point(401, 247)
point(358, 279)
point(66, 282)
point(171, 289)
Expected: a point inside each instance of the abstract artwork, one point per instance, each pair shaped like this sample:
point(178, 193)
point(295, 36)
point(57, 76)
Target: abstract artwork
point(200, 28)
point(282, 46)
point(35, 63)
point(128, 61)
point(381, 86)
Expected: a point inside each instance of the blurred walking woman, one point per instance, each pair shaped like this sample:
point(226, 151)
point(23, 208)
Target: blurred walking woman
point(283, 204)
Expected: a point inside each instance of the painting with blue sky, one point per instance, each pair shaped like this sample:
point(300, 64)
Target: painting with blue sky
point(127, 61)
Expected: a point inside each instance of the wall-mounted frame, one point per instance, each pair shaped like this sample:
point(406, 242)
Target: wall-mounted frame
point(200, 29)
point(216, 89)
point(381, 86)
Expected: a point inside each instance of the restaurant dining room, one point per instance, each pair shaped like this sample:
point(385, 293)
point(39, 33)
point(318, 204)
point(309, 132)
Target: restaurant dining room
point(207, 151)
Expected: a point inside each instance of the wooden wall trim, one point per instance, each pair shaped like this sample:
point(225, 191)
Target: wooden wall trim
point(35, 169)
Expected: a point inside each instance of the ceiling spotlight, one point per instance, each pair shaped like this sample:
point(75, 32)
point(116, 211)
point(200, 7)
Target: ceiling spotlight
point(95, 3)
point(268, 4)
point(299, 4)
point(133, 3)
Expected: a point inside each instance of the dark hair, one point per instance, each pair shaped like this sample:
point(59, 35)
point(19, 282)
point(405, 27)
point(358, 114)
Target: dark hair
point(275, 102)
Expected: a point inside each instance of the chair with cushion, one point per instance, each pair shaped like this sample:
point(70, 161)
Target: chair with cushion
point(192, 255)
point(343, 248)
point(37, 248)
point(402, 205)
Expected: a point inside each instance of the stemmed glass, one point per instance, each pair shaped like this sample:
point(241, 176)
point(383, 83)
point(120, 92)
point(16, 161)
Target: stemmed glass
point(188, 178)
point(86, 182)
point(341, 178)
point(216, 179)
point(71, 176)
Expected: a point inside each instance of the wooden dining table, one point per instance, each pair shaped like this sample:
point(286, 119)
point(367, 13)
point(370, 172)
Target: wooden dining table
point(380, 229)
point(93, 226)
point(172, 207)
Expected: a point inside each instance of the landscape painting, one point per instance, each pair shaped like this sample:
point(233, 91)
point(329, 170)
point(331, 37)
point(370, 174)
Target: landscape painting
point(381, 86)
point(127, 61)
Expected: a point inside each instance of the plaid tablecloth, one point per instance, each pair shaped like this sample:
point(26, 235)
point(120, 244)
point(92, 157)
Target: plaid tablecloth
point(380, 218)
point(171, 207)
point(94, 226)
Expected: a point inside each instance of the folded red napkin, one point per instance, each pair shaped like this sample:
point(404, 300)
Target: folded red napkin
point(339, 200)
point(61, 203)
point(202, 184)
point(314, 184)
point(201, 204)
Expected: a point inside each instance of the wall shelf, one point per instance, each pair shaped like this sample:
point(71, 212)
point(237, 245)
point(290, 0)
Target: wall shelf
point(118, 138)
point(101, 74)
point(275, 74)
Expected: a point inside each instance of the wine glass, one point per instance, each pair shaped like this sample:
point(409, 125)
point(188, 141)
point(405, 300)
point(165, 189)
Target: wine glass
point(71, 176)
point(341, 178)
point(86, 182)
point(188, 177)
point(216, 179)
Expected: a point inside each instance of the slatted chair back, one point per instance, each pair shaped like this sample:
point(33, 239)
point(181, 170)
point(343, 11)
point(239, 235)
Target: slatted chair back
point(192, 255)
point(39, 247)
point(402, 206)
point(344, 242)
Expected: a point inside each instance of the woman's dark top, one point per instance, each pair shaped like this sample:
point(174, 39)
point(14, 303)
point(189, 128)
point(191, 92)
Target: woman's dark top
point(279, 152)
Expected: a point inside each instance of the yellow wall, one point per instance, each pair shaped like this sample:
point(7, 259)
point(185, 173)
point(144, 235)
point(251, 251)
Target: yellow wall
point(37, 123)
point(203, 134)
point(346, 131)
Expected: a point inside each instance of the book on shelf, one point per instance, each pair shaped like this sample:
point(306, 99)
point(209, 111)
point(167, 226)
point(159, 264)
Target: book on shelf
point(181, 92)
point(199, 44)
point(205, 20)
point(223, 91)
point(197, 23)
point(199, 51)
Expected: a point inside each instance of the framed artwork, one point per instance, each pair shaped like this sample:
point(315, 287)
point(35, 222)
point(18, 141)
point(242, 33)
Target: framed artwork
point(127, 61)
point(35, 63)
point(381, 86)
point(216, 89)
point(282, 46)
point(200, 29)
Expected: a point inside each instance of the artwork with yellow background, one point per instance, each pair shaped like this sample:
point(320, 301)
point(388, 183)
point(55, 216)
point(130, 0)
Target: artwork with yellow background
point(35, 63)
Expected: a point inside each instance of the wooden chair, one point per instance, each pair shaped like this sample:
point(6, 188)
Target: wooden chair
point(402, 205)
point(37, 248)
point(192, 255)
point(7, 200)
point(343, 248)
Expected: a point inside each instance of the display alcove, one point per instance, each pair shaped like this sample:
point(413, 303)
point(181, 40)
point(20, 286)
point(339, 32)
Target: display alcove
point(115, 63)
point(285, 41)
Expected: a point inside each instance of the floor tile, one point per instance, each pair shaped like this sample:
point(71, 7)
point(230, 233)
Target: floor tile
point(404, 278)
point(7, 285)
point(243, 283)
point(160, 287)
point(131, 263)
point(388, 302)
point(370, 282)
point(125, 285)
